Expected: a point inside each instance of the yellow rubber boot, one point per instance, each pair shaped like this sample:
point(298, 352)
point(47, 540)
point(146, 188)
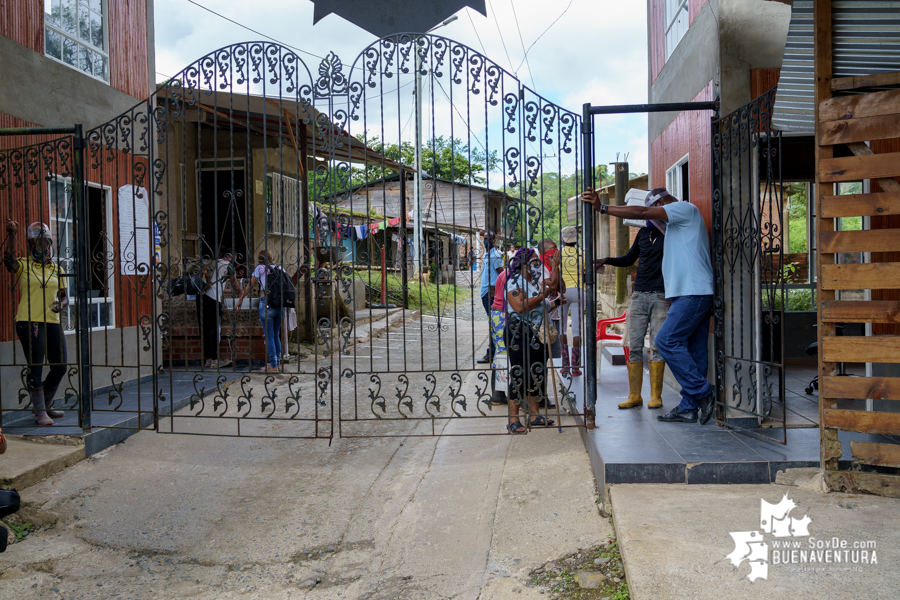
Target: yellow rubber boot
point(635, 381)
point(657, 370)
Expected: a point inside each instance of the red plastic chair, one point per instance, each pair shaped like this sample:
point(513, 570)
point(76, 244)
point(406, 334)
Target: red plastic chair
point(604, 338)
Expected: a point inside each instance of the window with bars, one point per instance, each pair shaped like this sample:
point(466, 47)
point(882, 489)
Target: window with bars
point(76, 34)
point(676, 23)
point(282, 205)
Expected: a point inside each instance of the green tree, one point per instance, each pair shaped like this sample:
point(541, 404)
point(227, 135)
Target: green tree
point(550, 196)
point(445, 158)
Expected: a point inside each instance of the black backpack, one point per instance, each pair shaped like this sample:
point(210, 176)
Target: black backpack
point(280, 292)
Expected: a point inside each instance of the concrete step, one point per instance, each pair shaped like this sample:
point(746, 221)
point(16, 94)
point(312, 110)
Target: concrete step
point(27, 462)
point(614, 354)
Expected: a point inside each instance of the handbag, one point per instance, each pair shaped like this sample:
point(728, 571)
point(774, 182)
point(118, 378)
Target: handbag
point(545, 331)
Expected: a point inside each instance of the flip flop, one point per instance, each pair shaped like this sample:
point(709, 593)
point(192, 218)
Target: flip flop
point(516, 428)
point(542, 421)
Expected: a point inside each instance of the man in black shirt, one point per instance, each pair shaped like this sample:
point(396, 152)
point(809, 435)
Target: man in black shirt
point(648, 310)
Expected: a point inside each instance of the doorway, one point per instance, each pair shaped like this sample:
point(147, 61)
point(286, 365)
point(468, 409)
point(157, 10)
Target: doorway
point(223, 212)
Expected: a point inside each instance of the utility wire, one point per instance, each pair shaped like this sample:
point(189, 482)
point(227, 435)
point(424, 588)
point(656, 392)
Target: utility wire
point(497, 23)
point(542, 35)
point(483, 51)
point(521, 41)
point(255, 31)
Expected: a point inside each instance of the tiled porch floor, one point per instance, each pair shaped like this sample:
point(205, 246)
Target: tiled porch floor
point(632, 446)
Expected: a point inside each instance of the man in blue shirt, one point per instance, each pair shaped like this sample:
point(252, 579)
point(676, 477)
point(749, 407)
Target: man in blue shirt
point(491, 267)
point(688, 275)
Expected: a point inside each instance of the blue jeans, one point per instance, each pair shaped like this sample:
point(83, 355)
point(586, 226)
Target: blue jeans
point(681, 342)
point(271, 323)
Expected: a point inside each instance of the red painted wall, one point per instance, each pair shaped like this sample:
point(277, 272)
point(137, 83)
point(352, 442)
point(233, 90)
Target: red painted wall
point(23, 21)
point(763, 80)
point(690, 133)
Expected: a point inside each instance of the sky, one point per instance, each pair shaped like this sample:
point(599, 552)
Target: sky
point(594, 50)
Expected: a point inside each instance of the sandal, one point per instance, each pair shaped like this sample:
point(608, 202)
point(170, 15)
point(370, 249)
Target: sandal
point(541, 421)
point(516, 428)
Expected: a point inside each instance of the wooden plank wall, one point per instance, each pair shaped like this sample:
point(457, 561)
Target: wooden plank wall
point(23, 22)
point(853, 120)
point(128, 68)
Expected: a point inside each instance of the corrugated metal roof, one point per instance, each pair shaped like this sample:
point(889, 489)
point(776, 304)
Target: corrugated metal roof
point(866, 40)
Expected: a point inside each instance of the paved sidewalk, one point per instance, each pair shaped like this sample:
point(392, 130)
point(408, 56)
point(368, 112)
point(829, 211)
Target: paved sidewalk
point(675, 540)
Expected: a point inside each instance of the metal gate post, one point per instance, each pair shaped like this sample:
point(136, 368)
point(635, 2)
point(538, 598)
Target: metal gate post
point(82, 277)
point(590, 283)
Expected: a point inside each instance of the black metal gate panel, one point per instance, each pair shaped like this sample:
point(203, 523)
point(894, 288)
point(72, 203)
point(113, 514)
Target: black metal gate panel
point(750, 296)
point(370, 185)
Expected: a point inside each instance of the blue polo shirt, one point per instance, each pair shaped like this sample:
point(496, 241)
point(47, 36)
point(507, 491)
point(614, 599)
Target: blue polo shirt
point(686, 265)
point(493, 260)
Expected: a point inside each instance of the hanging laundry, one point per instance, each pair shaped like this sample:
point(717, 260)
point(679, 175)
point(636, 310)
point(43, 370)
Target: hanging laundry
point(362, 232)
point(394, 222)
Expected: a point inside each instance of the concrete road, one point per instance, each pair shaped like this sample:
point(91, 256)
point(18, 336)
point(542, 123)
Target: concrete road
point(176, 516)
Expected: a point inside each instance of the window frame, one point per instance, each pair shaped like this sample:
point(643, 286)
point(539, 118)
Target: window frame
point(670, 21)
point(275, 222)
point(56, 224)
point(58, 29)
point(674, 182)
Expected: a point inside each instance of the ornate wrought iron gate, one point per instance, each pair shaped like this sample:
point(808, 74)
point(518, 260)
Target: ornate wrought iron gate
point(248, 162)
point(747, 244)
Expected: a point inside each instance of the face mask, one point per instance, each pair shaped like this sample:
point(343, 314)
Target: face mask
point(488, 244)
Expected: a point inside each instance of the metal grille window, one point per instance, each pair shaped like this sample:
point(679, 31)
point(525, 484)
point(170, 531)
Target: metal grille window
point(76, 34)
point(282, 205)
point(676, 23)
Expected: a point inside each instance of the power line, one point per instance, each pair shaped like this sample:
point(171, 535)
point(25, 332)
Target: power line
point(497, 23)
point(521, 41)
point(483, 51)
point(255, 31)
point(542, 35)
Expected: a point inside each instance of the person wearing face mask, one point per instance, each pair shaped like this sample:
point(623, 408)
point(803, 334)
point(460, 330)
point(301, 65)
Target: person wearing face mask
point(527, 287)
point(43, 296)
point(688, 275)
point(492, 265)
point(647, 311)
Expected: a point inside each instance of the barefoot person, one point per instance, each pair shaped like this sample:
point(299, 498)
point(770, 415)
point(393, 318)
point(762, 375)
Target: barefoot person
point(43, 296)
point(687, 271)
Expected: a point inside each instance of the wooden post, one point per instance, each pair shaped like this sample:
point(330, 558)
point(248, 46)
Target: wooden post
point(622, 237)
point(308, 245)
point(823, 72)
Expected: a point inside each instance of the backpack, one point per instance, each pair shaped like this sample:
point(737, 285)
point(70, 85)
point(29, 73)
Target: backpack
point(280, 292)
point(193, 285)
